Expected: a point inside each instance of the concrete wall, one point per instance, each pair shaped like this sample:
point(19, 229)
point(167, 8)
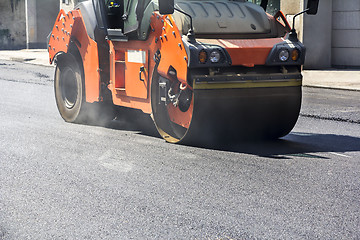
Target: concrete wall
point(68, 5)
point(290, 8)
point(47, 11)
point(346, 33)
point(31, 26)
point(26, 23)
point(314, 31)
point(40, 15)
point(317, 37)
point(12, 24)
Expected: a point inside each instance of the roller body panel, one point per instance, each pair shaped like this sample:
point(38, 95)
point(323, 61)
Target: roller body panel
point(197, 90)
point(69, 31)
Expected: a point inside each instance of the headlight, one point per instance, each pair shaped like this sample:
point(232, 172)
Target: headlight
point(284, 55)
point(215, 56)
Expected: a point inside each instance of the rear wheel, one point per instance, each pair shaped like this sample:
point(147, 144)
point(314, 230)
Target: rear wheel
point(69, 89)
point(70, 95)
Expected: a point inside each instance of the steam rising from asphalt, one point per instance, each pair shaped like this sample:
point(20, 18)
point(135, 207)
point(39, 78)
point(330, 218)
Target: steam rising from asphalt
point(98, 113)
point(105, 114)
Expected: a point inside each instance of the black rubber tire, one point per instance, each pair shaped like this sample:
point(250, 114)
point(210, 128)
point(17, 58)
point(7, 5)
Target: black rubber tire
point(70, 95)
point(69, 89)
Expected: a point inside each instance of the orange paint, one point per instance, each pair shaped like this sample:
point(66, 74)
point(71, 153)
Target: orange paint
point(134, 60)
point(125, 84)
point(69, 27)
point(61, 34)
point(173, 53)
point(181, 118)
point(246, 52)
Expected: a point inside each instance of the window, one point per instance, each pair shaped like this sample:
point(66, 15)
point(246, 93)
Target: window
point(272, 7)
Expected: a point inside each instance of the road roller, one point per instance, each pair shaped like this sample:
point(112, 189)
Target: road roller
point(205, 71)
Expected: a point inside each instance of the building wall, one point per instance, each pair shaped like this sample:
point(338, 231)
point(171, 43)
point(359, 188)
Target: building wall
point(332, 36)
point(26, 23)
point(68, 5)
point(40, 18)
point(290, 8)
point(317, 32)
point(346, 33)
point(47, 11)
point(31, 26)
point(12, 24)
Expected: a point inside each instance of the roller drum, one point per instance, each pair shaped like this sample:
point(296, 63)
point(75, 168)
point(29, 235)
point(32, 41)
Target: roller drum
point(228, 115)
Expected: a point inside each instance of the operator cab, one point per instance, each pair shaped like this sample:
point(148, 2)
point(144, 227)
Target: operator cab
point(114, 12)
point(127, 18)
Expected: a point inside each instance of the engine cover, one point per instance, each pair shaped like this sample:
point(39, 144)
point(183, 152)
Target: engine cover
point(222, 17)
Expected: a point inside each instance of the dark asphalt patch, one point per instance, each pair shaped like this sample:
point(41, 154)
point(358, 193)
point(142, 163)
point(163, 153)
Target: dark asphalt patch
point(339, 119)
point(22, 59)
point(19, 81)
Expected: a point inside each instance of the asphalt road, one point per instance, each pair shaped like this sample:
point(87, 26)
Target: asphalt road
point(69, 181)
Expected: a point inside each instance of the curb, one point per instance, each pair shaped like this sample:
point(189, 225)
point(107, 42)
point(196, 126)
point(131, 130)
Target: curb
point(27, 56)
point(332, 88)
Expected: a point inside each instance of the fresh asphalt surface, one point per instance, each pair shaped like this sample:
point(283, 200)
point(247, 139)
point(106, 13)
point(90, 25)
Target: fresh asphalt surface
point(69, 181)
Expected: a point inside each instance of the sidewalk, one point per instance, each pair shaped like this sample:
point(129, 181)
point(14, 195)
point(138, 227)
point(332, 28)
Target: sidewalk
point(335, 79)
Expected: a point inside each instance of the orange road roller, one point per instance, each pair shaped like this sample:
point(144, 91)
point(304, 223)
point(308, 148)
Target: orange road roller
point(205, 71)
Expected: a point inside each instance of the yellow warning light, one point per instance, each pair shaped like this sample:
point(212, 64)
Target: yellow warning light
point(202, 56)
point(295, 55)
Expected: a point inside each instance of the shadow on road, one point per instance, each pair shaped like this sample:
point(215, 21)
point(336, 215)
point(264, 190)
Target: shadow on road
point(295, 144)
